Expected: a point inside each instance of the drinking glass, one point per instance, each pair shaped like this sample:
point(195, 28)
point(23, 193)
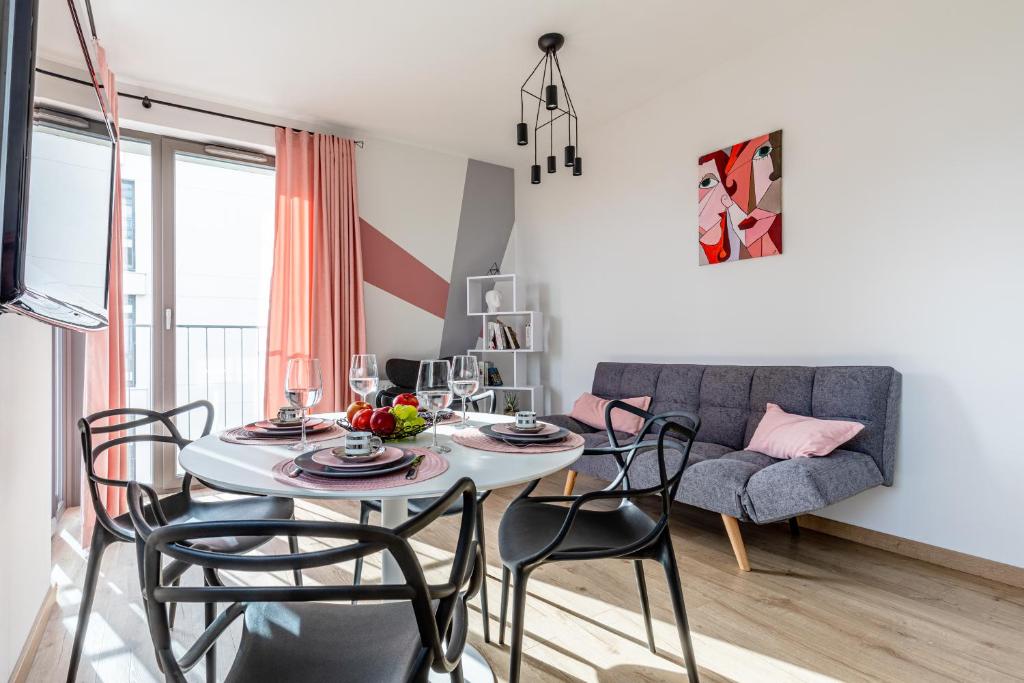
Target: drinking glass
point(362, 375)
point(434, 391)
point(303, 386)
point(465, 382)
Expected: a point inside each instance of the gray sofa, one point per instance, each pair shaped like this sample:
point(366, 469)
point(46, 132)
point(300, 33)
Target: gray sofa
point(745, 485)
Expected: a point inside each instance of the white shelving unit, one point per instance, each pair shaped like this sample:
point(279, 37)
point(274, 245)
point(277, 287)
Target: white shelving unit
point(511, 292)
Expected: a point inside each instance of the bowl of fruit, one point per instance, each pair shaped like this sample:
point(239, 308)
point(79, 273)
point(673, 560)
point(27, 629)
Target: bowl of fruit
point(391, 423)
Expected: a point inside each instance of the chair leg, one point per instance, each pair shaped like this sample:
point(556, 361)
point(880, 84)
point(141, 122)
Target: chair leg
point(100, 540)
point(518, 615)
point(732, 527)
point(794, 528)
point(209, 614)
point(293, 548)
point(480, 537)
point(505, 577)
point(456, 674)
point(364, 517)
point(172, 609)
point(668, 562)
point(570, 482)
point(645, 605)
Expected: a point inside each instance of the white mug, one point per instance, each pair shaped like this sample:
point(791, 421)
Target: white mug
point(526, 419)
point(288, 414)
point(358, 444)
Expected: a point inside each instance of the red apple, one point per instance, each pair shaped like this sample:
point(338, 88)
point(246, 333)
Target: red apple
point(361, 420)
point(382, 422)
point(354, 408)
point(406, 400)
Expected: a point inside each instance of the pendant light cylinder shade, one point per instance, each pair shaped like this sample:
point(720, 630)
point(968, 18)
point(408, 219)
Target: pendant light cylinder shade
point(522, 136)
point(551, 96)
point(535, 174)
point(570, 155)
point(577, 166)
point(552, 163)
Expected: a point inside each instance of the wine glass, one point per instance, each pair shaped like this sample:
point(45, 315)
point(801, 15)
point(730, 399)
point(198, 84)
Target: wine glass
point(303, 386)
point(465, 382)
point(434, 391)
point(362, 375)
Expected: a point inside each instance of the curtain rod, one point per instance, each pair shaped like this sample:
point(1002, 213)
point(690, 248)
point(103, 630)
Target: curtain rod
point(148, 102)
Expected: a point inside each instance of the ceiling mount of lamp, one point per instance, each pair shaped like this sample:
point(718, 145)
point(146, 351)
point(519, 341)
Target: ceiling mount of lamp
point(547, 98)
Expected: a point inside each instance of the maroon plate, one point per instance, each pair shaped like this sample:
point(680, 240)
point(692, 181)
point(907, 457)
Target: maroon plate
point(314, 425)
point(388, 455)
point(510, 429)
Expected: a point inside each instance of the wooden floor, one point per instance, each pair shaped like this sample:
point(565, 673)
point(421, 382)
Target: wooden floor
point(814, 608)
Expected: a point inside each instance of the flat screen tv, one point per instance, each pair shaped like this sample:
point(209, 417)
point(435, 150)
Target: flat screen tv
point(57, 180)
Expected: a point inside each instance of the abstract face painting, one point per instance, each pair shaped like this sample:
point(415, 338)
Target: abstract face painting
point(739, 195)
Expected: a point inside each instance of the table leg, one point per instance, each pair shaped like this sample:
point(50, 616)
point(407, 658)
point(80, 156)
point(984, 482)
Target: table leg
point(393, 511)
point(476, 669)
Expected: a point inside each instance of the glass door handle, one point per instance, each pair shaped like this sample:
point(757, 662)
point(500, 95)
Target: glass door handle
point(167, 319)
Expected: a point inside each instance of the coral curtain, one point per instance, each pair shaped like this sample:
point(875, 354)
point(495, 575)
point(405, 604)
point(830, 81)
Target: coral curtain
point(316, 289)
point(104, 349)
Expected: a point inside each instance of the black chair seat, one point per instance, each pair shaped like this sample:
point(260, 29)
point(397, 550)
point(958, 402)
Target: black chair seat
point(181, 508)
point(311, 642)
point(528, 526)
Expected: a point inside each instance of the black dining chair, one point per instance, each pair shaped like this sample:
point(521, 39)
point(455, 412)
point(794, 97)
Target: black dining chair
point(418, 505)
point(291, 633)
point(178, 507)
point(537, 530)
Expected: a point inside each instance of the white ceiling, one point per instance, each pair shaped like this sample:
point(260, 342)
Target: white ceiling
point(443, 74)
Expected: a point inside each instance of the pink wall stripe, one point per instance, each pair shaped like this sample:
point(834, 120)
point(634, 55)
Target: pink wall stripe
point(391, 268)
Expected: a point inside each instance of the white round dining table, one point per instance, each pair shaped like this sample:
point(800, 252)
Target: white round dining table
point(248, 469)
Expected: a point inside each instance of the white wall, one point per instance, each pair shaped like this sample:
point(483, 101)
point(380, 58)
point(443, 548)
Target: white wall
point(25, 456)
point(903, 167)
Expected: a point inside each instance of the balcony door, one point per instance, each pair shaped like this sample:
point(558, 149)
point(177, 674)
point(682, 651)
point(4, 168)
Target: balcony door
point(211, 300)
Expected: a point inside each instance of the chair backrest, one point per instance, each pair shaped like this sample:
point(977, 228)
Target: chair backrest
point(114, 425)
point(668, 433)
point(486, 397)
point(439, 609)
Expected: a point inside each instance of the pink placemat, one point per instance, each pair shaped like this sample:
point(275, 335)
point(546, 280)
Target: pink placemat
point(452, 418)
point(473, 438)
point(432, 465)
point(237, 435)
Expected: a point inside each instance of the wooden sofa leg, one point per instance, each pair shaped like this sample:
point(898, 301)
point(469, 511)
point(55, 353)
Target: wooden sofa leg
point(732, 527)
point(570, 483)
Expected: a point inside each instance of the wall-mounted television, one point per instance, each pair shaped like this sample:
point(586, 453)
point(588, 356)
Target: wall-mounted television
point(57, 180)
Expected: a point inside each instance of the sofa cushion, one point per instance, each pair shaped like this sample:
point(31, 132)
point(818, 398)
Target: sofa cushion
point(569, 423)
point(591, 410)
point(788, 387)
point(724, 404)
point(787, 435)
point(792, 487)
point(644, 471)
point(717, 484)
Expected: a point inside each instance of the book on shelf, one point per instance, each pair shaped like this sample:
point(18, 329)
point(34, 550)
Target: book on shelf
point(504, 335)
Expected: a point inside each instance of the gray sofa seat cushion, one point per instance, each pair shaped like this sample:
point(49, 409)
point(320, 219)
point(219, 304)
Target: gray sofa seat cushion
point(569, 423)
point(793, 487)
point(645, 470)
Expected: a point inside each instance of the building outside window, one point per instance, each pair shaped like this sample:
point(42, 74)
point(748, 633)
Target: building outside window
point(128, 210)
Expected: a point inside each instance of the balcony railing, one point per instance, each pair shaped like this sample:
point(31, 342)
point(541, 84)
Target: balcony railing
point(223, 364)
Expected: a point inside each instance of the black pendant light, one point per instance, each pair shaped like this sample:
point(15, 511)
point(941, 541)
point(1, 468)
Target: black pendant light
point(547, 94)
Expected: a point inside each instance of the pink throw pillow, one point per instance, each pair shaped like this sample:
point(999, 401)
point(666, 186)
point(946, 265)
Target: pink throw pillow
point(782, 435)
point(589, 410)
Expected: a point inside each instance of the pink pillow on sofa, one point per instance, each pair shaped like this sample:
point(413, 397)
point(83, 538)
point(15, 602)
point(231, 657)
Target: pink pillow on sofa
point(783, 435)
point(589, 410)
